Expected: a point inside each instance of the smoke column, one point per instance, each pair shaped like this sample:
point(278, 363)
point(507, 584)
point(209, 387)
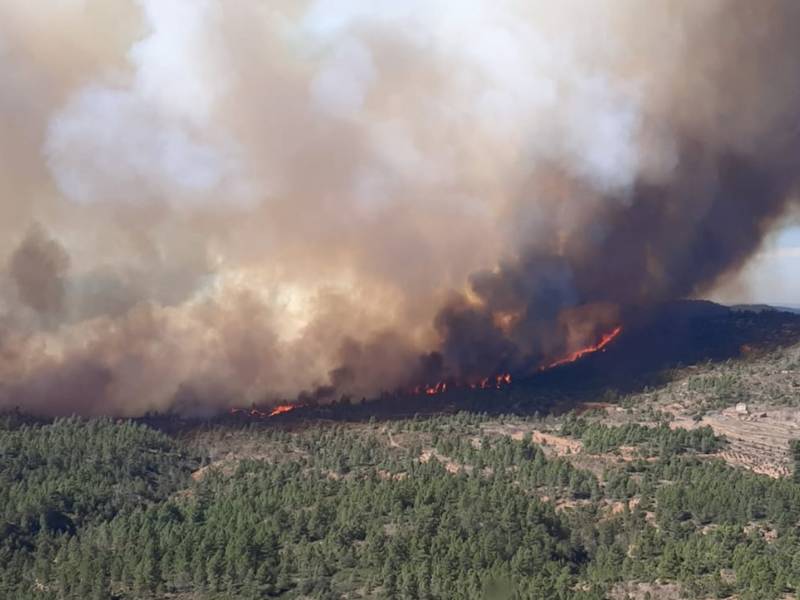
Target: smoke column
point(206, 204)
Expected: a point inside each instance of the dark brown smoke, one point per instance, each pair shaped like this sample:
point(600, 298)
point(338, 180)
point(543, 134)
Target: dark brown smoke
point(667, 242)
point(38, 268)
point(319, 199)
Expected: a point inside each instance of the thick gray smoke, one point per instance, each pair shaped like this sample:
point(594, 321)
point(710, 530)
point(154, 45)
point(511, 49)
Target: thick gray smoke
point(205, 205)
point(38, 267)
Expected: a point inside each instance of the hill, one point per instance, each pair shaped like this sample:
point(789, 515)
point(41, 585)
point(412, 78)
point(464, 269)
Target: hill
point(661, 468)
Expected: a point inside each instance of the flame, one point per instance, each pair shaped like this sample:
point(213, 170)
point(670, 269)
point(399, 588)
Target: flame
point(598, 347)
point(430, 390)
point(496, 382)
point(282, 408)
point(437, 388)
point(264, 414)
point(492, 382)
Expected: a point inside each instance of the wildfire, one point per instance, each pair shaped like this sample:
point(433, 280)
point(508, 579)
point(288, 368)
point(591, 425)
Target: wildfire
point(496, 382)
point(282, 408)
point(432, 390)
point(598, 347)
point(500, 381)
point(265, 414)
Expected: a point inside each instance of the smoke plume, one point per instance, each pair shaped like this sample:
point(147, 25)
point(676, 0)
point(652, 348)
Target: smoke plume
point(205, 205)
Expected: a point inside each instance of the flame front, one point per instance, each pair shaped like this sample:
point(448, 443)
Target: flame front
point(497, 382)
point(282, 408)
point(264, 414)
point(598, 347)
point(500, 381)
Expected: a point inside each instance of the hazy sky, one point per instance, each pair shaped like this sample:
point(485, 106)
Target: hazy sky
point(772, 276)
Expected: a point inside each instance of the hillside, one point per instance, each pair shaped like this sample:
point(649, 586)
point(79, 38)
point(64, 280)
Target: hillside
point(680, 486)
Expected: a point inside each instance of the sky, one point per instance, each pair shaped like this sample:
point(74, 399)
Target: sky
point(772, 276)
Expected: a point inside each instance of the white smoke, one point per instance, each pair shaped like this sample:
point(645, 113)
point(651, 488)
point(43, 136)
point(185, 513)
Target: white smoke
point(152, 137)
point(156, 132)
point(329, 170)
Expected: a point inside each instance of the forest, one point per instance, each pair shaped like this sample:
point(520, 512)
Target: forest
point(435, 507)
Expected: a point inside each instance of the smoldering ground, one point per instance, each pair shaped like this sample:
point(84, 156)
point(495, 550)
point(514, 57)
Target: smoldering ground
point(206, 204)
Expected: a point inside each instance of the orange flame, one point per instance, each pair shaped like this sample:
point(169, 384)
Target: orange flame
point(488, 382)
point(282, 408)
point(598, 347)
point(263, 414)
point(497, 382)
